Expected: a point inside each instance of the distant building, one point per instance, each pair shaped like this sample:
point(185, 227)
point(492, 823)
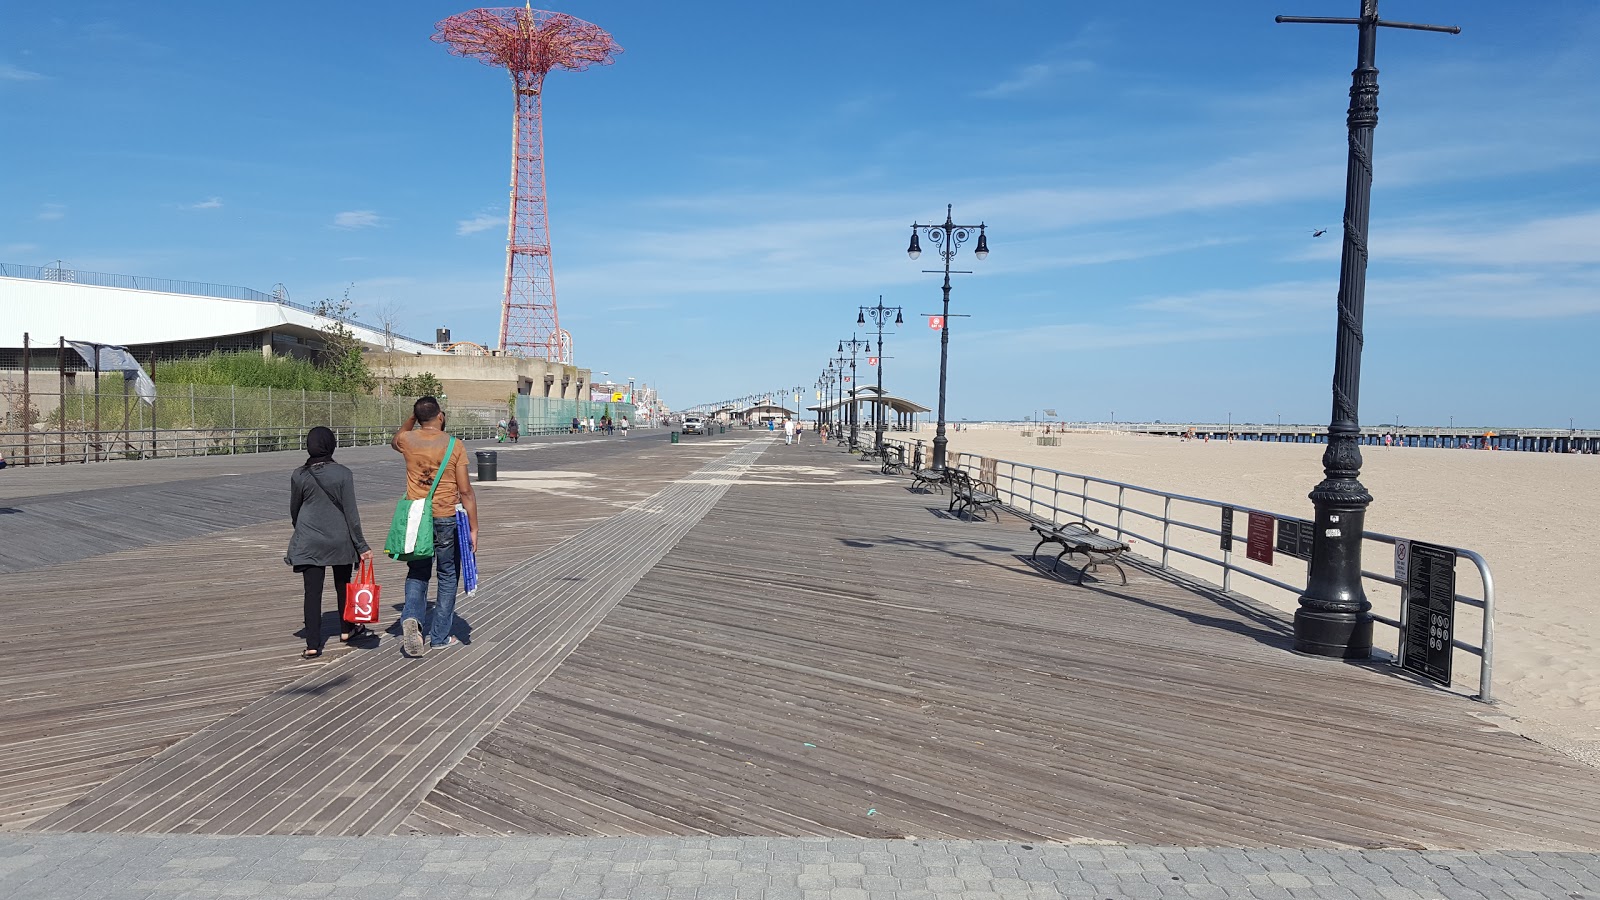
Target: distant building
point(159, 318)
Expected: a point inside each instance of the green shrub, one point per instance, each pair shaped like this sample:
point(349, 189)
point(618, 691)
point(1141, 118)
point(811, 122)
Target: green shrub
point(250, 369)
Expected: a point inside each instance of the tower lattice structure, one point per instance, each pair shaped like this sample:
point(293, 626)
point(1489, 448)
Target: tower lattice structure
point(529, 43)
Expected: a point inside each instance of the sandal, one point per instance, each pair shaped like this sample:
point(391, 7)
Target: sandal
point(311, 653)
point(361, 631)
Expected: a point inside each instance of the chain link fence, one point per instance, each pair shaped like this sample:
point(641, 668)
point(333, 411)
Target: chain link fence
point(83, 424)
point(551, 415)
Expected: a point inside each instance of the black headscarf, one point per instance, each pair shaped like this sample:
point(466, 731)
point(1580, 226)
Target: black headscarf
point(320, 444)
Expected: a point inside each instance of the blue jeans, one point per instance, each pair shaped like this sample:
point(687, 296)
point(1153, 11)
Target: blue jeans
point(418, 571)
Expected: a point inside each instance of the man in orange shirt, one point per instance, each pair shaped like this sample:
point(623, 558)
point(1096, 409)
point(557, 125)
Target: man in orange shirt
point(422, 441)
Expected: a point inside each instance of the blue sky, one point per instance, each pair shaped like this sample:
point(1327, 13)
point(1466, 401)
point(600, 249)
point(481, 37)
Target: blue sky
point(727, 194)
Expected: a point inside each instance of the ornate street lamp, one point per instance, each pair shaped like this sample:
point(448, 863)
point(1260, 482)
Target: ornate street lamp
point(1333, 618)
point(838, 363)
point(855, 409)
point(880, 317)
point(947, 237)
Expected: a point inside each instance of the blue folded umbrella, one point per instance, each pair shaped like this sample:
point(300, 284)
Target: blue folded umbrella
point(468, 561)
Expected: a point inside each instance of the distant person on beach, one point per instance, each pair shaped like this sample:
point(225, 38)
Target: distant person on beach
point(327, 532)
point(423, 442)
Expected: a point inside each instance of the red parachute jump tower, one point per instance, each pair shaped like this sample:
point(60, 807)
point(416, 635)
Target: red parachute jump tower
point(529, 42)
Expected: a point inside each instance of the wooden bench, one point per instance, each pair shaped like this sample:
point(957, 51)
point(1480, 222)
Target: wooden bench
point(971, 493)
point(1078, 537)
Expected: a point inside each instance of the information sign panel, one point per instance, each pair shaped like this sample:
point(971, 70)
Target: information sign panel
point(1430, 626)
point(1295, 537)
point(1227, 528)
point(1258, 545)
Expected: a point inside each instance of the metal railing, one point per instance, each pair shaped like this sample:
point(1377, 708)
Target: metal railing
point(1131, 511)
point(92, 446)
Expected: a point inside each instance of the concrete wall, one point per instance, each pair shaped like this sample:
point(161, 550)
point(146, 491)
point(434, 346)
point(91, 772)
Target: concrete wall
point(489, 379)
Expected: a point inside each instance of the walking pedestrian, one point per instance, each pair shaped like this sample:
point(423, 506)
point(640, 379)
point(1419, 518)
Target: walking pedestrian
point(428, 450)
point(327, 533)
point(624, 426)
point(574, 425)
point(788, 431)
point(513, 429)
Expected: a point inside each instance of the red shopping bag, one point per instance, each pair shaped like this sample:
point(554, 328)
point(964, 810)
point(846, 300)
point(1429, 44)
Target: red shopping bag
point(361, 596)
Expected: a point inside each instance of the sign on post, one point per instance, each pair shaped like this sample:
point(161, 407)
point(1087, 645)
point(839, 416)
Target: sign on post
point(1402, 560)
point(936, 322)
point(1430, 623)
point(1258, 546)
point(872, 360)
point(1227, 528)
point(1295, 537)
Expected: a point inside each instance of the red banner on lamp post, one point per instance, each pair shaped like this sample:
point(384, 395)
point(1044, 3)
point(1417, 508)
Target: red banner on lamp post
point(872, 360)
point(936, 322)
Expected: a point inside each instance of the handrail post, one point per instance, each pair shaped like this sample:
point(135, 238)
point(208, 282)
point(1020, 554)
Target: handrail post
point(1121, 495)
point(1486, 654)
point(1166, 531)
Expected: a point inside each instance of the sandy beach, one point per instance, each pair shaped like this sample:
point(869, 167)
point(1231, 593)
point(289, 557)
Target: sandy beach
point(1530, 515)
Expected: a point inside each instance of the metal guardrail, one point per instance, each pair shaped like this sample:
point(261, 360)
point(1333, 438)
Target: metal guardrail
point(1021, 489)
point(83, 447)
point(90, 446)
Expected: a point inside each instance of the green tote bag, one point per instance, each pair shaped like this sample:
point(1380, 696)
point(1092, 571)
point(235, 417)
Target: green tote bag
point(411, 532)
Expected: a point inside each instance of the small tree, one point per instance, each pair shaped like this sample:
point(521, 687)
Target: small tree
point(424, 385)
point(341, 356)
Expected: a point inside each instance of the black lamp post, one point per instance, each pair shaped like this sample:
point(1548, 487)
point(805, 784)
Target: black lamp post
point(838, 421)
point(880, 317)
point(947, 237)
point(1333, 618)
point(855, 345)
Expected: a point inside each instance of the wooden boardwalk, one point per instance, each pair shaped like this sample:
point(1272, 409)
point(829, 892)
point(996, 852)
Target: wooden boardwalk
point(789, 645)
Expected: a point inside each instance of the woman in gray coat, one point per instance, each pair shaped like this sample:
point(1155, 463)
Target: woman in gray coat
point(327, 532)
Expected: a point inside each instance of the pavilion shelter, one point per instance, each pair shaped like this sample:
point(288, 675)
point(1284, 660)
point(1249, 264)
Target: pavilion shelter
point(763, 413)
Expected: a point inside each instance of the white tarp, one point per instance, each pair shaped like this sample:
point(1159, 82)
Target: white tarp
point(118, 359)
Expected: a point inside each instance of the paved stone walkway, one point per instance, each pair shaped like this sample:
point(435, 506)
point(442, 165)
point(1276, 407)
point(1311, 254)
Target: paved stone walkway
point(132, 867)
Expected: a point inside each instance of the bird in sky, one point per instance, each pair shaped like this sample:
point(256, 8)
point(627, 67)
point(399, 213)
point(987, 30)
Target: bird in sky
point(1319, 232)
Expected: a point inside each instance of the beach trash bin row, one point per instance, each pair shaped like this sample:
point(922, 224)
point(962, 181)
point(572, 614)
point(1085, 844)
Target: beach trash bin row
point(488, 465)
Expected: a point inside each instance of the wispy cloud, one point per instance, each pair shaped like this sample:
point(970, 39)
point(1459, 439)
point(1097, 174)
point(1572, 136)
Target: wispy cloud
point(52, 212)
point(479, 222)
point(1033, 76)
point(13, 251)
point(357, 218)
point(212, 203)
point(9, 72)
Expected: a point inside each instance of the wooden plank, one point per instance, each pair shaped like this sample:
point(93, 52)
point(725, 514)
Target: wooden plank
point(111, 659)
point(958, 691)
point(416, 719)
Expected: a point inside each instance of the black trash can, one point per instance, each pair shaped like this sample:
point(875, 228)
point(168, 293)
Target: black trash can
point(488, 465)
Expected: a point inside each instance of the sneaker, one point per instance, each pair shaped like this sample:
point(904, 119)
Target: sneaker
point(411, 642)
point(449, 642)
